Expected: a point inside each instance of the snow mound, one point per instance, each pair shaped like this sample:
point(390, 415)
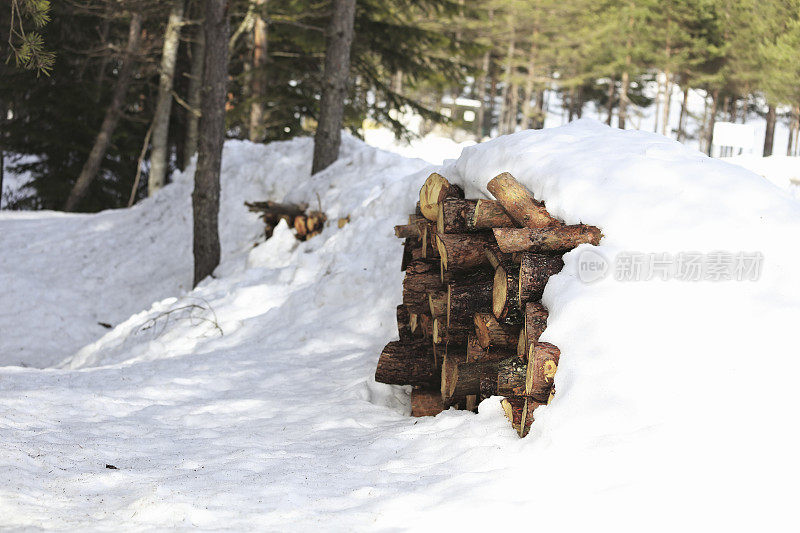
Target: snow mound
point(249, 403)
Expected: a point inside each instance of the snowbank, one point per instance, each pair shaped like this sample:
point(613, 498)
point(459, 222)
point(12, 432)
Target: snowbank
point(675, 399)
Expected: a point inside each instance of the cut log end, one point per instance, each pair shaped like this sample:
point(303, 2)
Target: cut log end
point(499, 292)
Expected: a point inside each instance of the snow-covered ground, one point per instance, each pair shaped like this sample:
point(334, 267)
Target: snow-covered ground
point(249, 404)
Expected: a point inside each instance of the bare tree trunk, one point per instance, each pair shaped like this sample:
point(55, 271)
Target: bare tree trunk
point(527, 95)
point(623, 99)
point(793, 123)
point(205, 197)
point(659, 93)
point(769, 136)
point(507, 88)
point(682, 116)
point(513, 107)
point(612, 88)
point(159, 156)
point(334, 90)
point(98, 152)
point(195, 93)
point(259, 75)
point(538, 122)
point(712, 118)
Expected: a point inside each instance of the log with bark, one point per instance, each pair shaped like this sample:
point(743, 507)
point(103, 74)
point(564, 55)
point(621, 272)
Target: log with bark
point(454, 333)
point(467, 296)
point(533, 327)
point(306, 224)
point(437, 303)
point(553, 238)
point(475, 352)
point(404, 324)
point(512, 407)
point(450, 363)
point(421, 278)
point(463, 251)
point(541, 369)
point(490, 332)
point(518, 202)
point(527, 415)
point(515, 286)
point(511, 374)
point(426, 402)
point(410, 363)
point(466, 378)
point(469, 216)
point(433, 192)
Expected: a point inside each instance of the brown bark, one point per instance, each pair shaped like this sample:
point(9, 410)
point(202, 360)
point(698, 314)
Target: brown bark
point(421, 278)
point(518, 202)
point(491, 333)
point(433, 192)
point(527, 416)
point(682, 116)
point(428, 239)
point(205, 197)
point(194, 95)
point(534, 326)
point(542, 365)
point(511, 377)
point(475, 352)
point(466, 379)
point(404, 324)
point(469, 216)
point(556, 237)
point(437, 304)
point(111, 118)
point(411, 252)
point(534, 271)
point(711, 120)
point(259, 75)
point(468, 296)
point(410, 363)
point(425, 325)
point(339, 37)
point(612, 88)
point(407, 231)
point(463, 251)
point(426, 403)
point(453, 334)
point(450, 363)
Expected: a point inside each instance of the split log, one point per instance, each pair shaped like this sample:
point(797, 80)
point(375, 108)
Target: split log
point(426, 403)
point(558, 237)
point(428, 240)
point(462, 251)
point(490, 332)
point(527, 416)
point(515, 286)
point(421, 278)
point(541, 369)
point(435, 189)
point(518, 202)
point(512, 407)
point(407, 364)
point(467, 296)
point(404, 324)
point(534, 325)
point(469, 216)
point(511, 373)
point(444, 334)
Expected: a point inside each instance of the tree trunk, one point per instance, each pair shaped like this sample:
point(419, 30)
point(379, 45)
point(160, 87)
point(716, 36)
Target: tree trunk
point(659, 94)
point(539, 119)
point(612, 88)
point(259, 75)
point(159, 155)
point(542, 365)
point(711, 119)
point(195, 93)
point(623, 96)
point(491, 333)
point(114, 111)
point(769, 136)
point(481, 114)
point(518, 202)
point(205, 197)
point(334, 88)
point(507, 87)
point(682, 116)
point(469, 216)
point(407, 364)
point(556, 237)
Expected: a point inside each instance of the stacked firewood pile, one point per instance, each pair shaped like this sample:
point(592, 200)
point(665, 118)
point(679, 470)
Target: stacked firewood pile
point(306, 223)
point(471, 316)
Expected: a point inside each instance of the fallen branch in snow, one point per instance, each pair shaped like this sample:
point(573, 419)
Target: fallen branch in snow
point(471, 315)
point(189, 314)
